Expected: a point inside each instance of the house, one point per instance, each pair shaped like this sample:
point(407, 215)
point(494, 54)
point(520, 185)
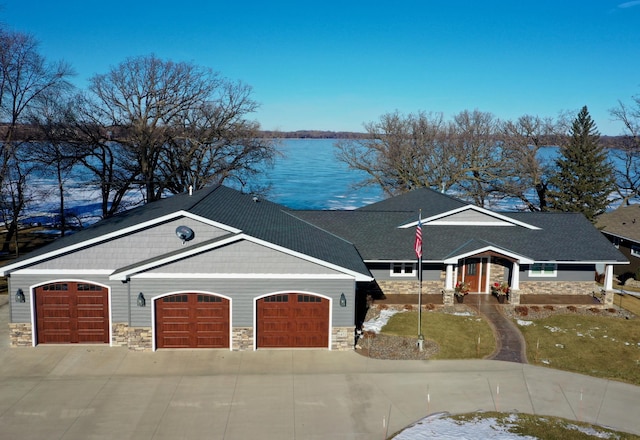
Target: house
point(622, 228)
point(220, 269)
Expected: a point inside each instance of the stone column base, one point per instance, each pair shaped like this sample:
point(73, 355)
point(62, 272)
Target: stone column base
point(343, 338)
point(20, 334)
point(447, 298)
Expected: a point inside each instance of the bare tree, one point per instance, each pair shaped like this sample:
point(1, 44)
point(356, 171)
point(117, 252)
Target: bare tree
point(627, 152)
point(522, 141)
point(142, 99)
point(25, 78)
point(402, 153)
point(481, 156)
point(215, 143)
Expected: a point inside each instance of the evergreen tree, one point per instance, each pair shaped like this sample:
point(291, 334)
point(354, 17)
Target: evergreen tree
point(583, 180)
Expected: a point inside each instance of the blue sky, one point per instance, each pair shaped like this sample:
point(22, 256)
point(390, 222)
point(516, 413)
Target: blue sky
point(336, 65)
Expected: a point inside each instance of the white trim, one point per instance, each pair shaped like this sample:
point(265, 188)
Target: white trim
point(474, 253)
point(154, 346)
point(115, 234)
point(32, 304)
point(121, 276)
point(61, 272)
point(280, 292)
point(438, 219)
point(255, 276)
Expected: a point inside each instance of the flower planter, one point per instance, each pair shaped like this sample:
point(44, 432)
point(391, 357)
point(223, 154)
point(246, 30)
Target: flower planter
point(460, 298)
point(501, 298)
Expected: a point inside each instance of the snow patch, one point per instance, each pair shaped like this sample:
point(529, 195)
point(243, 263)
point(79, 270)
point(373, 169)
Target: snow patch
point(376, 324)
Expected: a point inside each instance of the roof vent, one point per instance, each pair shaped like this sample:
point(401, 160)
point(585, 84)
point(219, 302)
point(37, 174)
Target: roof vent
point(255, 199)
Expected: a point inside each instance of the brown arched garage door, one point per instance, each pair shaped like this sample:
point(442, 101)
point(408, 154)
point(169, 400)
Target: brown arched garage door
point(72, 312)
point(192, 320)
point(292, 320)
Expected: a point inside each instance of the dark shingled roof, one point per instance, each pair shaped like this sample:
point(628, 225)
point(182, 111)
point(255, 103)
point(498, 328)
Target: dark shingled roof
point(261, 219)
point(371, 233)
point(560, 237)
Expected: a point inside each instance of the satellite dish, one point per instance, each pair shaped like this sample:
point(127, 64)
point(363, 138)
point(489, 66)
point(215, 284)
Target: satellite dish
point(184, 233)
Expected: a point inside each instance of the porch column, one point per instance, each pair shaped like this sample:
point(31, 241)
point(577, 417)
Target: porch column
point(448, 281)
point(515, 276)
point(608, 285)
point(447, 299)
point(514, 295)
point(608, 277)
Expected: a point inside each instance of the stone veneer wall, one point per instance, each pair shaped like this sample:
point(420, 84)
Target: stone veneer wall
point(20, 334)
point(343, 338)
point(410, 287)
point(558, 287)
point(135, 338)
point(242, 338)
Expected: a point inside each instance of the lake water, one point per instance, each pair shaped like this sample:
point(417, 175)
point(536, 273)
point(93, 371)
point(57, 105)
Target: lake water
point(309, 176)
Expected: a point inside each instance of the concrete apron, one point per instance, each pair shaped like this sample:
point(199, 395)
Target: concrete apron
point(96, 391)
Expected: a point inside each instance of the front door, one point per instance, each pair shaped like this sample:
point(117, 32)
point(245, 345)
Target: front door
point(475, 274)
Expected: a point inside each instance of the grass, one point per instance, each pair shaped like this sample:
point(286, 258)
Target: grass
point(459, 337)
point(544, 427)
point(598, 346)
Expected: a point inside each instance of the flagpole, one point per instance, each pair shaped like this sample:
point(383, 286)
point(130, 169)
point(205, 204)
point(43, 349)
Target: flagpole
point(418, 248)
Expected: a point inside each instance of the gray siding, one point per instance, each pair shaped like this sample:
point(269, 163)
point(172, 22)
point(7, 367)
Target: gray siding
point(243, 257)
point(382, 272)
point(135, 247)
point(473, 216)
point(565, 272)
point(243, 293)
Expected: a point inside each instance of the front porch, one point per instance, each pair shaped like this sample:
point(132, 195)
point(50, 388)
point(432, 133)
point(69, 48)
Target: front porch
point(483, 298)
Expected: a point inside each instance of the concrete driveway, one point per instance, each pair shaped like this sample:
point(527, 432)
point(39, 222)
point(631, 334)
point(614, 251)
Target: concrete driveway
point(99, 392)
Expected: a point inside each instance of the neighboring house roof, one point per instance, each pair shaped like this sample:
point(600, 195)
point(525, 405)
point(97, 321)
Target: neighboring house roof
point(623, 222)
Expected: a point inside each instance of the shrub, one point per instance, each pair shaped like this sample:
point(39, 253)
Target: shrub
point(611, 310)
point(430, 306)
point(408, 307)
point(572, 308)
point(549, 307)
point(594, 310)
point(535, 308)
point(522, 310)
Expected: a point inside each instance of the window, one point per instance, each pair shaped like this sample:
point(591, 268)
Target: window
point(276, 298)
point(635, 250)
point(616, 242)
point(543, 270)
point(209, 299)
point(309, 299)
point(402, 269)
point(176, 299)
point(56, 286)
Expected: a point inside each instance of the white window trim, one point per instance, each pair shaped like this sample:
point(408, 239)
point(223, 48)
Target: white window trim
point(635, 250)
point(403, 273)
point(542, 273)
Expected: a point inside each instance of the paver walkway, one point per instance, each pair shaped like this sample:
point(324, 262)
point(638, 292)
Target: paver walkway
point(511, 344)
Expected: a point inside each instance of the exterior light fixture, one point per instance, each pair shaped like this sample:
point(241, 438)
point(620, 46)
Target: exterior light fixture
point(343, 300)
point(141, 301)
point(20, 296)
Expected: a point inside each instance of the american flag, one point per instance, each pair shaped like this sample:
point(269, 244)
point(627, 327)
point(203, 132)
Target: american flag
point(418, 244)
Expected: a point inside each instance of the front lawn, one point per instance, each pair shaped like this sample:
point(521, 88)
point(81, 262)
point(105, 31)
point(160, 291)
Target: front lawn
point(600, 346)
point(458, 337)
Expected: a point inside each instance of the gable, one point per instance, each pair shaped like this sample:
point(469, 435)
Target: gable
point(136, 246)
point(469, 217)
point(241, 258)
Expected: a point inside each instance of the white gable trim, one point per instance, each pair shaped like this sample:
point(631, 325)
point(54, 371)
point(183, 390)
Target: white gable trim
point(252, 276)
point(440, 219)
point(520, 258)
point(115, 234)
point(122, 276)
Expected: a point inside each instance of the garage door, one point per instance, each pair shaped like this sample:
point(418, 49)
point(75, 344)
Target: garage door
point(72, 312)
point(293, 320)
point(192, 320)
